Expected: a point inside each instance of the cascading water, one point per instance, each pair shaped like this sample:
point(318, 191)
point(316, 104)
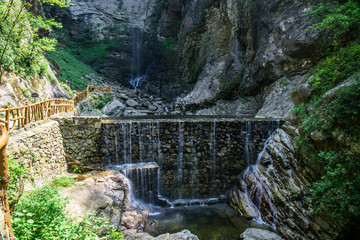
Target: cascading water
point(256, 192)
point(180, 159)
point(197, 160)
point(137, 77)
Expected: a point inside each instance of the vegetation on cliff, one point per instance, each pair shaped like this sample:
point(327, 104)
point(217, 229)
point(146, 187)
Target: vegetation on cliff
point(332, 117)
point(23, 37)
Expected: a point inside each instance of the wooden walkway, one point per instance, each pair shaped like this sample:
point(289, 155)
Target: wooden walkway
point(18, 117)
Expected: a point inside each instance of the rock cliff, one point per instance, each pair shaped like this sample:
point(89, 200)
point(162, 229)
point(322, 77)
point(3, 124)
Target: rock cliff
point(245, 49)
point(288, 178)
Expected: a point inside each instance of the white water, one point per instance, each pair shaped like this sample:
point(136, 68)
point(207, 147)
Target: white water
point(255, 189)
point(180, 158)
point(147, 140)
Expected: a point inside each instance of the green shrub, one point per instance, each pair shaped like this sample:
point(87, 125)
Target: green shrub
point(99, 100)
point(18, 173)
point(62, 181)
point(337, 193)
point(340, 185)
point(21, 40)
point(68, 89)
point(40, 215)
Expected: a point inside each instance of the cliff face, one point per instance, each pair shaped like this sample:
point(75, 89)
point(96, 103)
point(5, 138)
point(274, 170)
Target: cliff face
point(249, 49)
point(276, 191)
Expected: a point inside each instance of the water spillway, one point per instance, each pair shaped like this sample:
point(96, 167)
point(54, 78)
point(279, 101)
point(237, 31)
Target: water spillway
point(184, 160)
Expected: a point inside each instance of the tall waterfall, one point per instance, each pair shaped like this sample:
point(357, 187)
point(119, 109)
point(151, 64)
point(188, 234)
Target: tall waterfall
point(187, 161)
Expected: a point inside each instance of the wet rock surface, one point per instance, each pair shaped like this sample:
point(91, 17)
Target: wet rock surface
point(287, 178)
point(185, 234)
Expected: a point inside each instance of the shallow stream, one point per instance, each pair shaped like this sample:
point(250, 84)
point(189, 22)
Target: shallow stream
point(214, 222)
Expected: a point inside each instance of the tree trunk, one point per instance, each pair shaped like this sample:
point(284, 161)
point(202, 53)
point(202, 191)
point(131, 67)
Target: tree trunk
point(5, 178)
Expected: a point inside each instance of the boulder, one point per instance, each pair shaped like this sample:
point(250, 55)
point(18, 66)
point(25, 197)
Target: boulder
point(183, 235)
point(114, 108)
point(259, 234)
point(301, 94)
point(84, 199)
point(132, 103)
point(104, 193)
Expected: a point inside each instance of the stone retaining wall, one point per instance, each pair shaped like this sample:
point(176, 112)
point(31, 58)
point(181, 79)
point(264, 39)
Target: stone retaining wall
point(197, 158)
point(82, 139)
point(40, 147)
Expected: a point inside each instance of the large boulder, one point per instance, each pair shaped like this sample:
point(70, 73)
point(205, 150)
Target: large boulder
point(183, 235)
point(259, 234)
point(114, 108)
point(106, 194)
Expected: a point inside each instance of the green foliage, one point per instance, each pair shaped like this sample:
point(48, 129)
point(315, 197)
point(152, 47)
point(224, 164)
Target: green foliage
point(92, 50)
point(337, 193)
point(62, 181)
point(99, 100)
point(339, 189)
point(26, 92)
point(336, 68)
point(339, 19)
point(40, 215)
point(72, 69)
point(170, 44)
point(36, 212)
point(18, 173)
point(158, 8)
point(21, 38)
point(67, 89)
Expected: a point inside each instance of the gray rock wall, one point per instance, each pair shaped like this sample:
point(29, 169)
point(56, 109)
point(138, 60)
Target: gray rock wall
point(40, 147)
point(82, 139)
point(229, 49)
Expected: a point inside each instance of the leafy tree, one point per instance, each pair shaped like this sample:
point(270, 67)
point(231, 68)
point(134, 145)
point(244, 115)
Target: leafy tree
point(341, 20)
point(21, 42)
point(337, 193)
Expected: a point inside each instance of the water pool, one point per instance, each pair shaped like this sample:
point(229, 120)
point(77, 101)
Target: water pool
point(214, 222)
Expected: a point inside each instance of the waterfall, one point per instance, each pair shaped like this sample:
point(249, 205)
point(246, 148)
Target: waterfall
point(213, 156)
point(196, 161)
point(180, 158)
point(256, 191)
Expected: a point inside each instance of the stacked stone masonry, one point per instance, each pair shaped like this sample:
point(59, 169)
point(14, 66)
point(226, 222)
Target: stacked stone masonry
point(40, 147)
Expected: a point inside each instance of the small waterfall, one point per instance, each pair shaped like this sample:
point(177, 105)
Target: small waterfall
point(180, 158)
point(213, 156)
point(195, 163)
point(256, 191)
point(143, 177)
point(107, 144)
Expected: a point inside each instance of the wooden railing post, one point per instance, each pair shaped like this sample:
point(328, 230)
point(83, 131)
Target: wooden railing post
point(5, 178)
point(27, 114)
point(50, 112)
point(8, 118)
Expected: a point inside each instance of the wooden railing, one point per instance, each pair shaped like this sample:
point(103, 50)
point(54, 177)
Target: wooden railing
point(90, 88)
point(18, 117)
point(15, 118)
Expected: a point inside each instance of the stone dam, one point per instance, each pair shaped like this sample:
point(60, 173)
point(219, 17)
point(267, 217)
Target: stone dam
point(177, 161)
